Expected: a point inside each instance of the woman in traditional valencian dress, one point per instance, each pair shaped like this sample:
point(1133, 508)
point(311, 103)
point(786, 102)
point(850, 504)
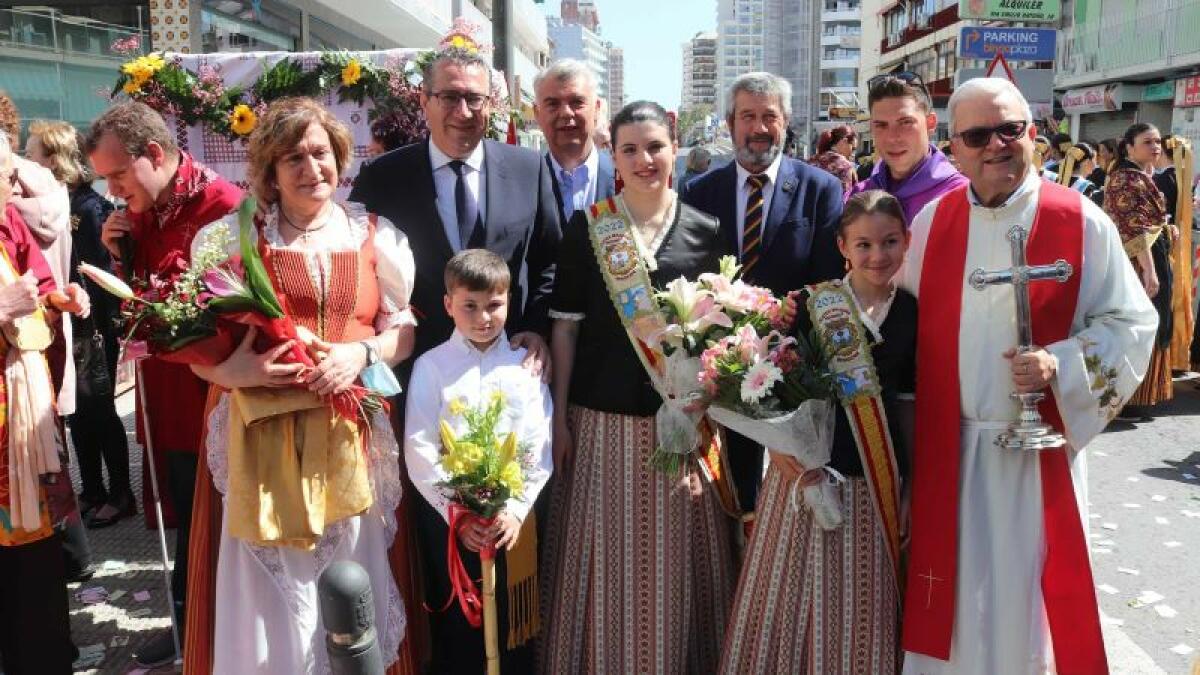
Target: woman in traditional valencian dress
point(346, 277)
point(640, 562)
point(1137, 207)
point(827, 601)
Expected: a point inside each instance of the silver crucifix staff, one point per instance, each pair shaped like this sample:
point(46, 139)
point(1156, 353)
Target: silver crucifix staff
point(1029, 432)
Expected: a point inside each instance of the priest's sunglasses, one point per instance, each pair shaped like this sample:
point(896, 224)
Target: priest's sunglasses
point(978, 137)
point(450, 100)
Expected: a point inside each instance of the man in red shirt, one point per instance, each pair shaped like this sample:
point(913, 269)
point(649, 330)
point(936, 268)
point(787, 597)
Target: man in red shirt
point(169, 196)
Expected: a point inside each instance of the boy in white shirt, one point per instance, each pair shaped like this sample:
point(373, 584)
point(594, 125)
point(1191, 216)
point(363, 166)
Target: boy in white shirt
point(468, 369)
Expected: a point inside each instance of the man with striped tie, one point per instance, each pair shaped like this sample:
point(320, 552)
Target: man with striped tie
point(780, 213)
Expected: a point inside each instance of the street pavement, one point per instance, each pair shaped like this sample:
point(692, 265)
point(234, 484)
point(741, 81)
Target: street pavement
point(1144, 491)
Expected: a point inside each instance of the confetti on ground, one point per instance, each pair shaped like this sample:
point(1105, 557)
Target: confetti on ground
point(1149, 597)
point(1094, 516)
point(1158, 498)
point(1130, 505)
point(1172, 544)
point(116, 595)
point(1109, 526)
point(113, 565)
point(1101, 550)
point(1189, 476)
point(89, 657)
point(1133, 479)
point(1161, 521)
point(1166, 612)
point(1190, 514)
point(138, 671)
point(1111, 621)
point(1182, 649)
point(1105, 542)
point(1100, 453)
point(119, 641)
point(92, 596)
point(141, 596)
point(1108, 589)
point(1128, 570)
point(140, 613)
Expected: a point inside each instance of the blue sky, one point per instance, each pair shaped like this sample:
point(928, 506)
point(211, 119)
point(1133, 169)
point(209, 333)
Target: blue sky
point(651, 32)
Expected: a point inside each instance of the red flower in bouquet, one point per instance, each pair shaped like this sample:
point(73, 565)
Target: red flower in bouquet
point(197, 313)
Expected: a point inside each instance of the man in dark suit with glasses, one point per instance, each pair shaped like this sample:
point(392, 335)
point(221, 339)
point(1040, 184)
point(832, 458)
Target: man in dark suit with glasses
point(456, 191)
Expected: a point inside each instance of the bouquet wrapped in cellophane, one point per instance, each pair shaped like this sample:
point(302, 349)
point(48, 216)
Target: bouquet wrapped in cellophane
point(695, 315)
point(484, 470)
point(777, 391)
point(198, 312)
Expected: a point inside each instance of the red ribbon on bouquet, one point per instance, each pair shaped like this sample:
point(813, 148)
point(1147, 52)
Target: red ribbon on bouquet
point(462, 585)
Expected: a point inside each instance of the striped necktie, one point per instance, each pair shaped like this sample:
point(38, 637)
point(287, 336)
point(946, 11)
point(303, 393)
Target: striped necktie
point(752, 230)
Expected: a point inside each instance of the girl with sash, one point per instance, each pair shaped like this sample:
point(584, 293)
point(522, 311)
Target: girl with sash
point(1139, 210)
point(639, 563)
point(290, 487)
point(816, 601)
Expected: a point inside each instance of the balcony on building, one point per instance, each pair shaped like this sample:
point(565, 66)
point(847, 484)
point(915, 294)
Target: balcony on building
point(841, 10)
point(904, 23)
point(50, 31)
point(58, 66)
point(1136, 42)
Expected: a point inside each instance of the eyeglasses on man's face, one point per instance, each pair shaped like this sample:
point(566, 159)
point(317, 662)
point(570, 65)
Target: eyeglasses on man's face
point(978, 137)
point(450, 100)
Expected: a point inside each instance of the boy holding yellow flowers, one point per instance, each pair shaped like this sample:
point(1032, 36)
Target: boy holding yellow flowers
point(472, 410)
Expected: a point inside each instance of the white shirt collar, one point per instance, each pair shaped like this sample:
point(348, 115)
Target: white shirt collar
point(771, 172)
point(590, 166)
point(875, 325)
point(438, 159)
point(1030, 184)
point(467, 348)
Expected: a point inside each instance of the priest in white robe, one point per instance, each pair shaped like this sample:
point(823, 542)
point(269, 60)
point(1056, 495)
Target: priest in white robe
point(999, 579)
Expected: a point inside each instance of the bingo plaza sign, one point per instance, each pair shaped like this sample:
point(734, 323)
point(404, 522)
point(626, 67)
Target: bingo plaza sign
point(1016, 44)
point(1035, 11)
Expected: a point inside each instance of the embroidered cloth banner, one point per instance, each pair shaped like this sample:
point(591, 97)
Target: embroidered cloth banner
point(228, 158)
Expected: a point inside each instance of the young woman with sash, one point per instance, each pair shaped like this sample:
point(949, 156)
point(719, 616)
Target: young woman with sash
point(639, 563)
point(817, 601)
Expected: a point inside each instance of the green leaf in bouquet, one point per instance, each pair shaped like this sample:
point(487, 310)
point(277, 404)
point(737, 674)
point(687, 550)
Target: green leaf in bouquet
point(257, 279)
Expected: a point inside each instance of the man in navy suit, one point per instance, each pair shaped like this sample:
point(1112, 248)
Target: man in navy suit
point(457, 190)
point(568, 109)
point(451, 192)
point(779, 213)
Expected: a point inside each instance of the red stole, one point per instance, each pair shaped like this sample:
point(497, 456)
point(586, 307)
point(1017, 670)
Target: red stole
point(1067, 586)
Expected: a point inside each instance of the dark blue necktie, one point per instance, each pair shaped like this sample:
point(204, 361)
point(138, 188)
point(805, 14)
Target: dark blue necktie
point(470, 227)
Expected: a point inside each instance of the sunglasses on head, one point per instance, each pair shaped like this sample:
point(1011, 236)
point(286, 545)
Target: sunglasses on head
point(905, 76)
point(978, 137)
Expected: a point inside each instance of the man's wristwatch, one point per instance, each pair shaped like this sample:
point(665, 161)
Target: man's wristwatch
point(372, 352)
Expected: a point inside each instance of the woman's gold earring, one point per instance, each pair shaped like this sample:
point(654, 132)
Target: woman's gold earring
point(847, 265)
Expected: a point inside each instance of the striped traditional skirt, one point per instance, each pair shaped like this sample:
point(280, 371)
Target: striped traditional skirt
point(1157, 385)
point(639, 567)
point(811, 600)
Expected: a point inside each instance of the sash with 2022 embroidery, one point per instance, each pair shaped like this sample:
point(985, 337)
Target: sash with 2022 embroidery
point(632, 293)
point(845, 342)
